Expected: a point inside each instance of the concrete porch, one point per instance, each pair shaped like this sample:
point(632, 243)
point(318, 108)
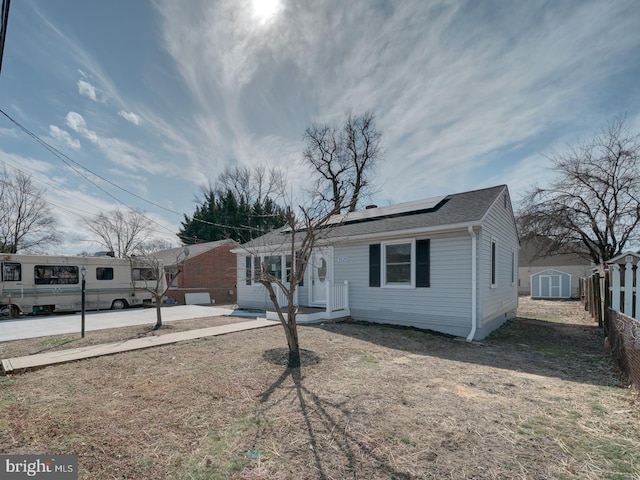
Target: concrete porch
point(337, 305)
point(311, 315)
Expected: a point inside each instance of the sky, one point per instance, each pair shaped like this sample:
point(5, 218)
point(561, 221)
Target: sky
point(149, 101)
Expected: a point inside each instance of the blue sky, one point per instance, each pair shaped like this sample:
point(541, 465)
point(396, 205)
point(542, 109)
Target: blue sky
point(159, 96)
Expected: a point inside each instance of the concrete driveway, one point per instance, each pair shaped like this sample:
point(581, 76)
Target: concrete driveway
point(30, 327)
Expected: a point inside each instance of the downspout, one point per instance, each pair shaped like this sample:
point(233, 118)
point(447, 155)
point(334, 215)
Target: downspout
point(474, 313)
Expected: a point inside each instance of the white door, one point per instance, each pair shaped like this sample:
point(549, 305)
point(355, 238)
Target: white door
point(319, 277)
point(550, 286)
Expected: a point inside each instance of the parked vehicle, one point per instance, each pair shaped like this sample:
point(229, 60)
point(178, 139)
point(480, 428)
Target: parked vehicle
point(44, 284)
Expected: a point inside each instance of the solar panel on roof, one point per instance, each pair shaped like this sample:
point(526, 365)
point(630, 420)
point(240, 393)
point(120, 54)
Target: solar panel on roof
point(379, 212)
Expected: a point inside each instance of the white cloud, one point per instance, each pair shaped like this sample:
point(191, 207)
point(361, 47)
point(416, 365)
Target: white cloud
point(450, 104)
point(27, 164)
point(86, 89)
point(117, 151)
point(130, 117)
point(76, 122)
point(8, 132)
point(64, 136)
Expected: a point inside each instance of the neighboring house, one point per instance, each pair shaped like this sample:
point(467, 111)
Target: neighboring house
point(447, 264)
point(207, 272)
point(551, 276)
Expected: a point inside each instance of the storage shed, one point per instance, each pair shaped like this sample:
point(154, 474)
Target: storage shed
point(551, 284)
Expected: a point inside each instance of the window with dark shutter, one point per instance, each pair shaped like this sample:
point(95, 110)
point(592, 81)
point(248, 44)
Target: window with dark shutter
point(374, 265)
point(247, 269)
point(493, 263)
point(423, 264)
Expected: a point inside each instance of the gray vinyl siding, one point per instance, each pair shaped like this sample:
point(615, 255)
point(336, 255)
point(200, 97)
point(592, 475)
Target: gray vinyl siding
point(250, 296)
point(445, 306)
point(496, 304)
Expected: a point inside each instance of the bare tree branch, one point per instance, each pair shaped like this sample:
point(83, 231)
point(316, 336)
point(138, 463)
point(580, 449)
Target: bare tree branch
point(592, 207)
point(26, 223)
point(344, 159)
point(123, 233)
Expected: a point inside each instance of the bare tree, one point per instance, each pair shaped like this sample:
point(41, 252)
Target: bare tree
point(149, 275)
point(26, 223)
point(344, 159)
point(125, 233)
point(363, 148)
point(305, 232)
point(592, 208)
point(251, 184)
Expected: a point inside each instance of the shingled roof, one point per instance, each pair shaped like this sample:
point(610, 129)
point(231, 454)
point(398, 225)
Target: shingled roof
point(456, 209)
point(171, 256)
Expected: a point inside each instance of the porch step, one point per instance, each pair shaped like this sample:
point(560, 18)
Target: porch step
point(313, 315)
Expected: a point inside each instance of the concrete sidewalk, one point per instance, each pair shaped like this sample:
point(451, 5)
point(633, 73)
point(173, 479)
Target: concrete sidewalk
point(37, 326)
point(16, 364)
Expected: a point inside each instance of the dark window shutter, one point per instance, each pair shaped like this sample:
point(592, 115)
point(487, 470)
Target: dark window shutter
point(493, 263)
point(374, 265)
point(247, 269)
point(423, 264)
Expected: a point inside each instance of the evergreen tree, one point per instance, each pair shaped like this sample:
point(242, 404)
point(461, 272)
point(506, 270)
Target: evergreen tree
point(221, 216)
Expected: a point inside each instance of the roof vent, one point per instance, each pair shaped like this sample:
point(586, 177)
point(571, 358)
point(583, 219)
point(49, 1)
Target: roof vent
point(369, 207)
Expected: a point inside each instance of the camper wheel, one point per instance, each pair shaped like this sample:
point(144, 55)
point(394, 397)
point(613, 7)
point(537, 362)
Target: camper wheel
point(7, 311)
point(119, 304)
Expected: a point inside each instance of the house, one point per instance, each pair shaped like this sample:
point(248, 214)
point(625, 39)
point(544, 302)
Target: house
point(207, 272)
point(549, 276)
point(447, 264)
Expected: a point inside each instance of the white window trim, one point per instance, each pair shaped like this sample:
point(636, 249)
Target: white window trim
point(493, 262)
point(383, 246)
point(283, 259)
point(514, 266)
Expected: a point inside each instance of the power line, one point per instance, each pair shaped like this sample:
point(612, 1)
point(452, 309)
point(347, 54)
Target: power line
point(3, 27)
point(66, 159)
point(69, 161)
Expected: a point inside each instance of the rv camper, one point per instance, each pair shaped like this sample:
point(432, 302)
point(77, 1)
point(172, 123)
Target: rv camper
point(43, 284)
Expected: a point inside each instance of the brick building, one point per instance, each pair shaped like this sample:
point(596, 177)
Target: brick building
point(207, 268)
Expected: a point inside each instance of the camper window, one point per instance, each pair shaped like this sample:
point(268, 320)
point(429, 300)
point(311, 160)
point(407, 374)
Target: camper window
point(55, 274)
point(12, 272)
point(104, 273)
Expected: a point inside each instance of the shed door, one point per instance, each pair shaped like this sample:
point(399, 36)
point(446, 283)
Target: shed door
point(551, 286)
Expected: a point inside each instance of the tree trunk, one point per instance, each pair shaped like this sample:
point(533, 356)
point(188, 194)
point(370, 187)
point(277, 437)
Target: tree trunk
point(292, 337)
point(158, 313)
point(290, 326)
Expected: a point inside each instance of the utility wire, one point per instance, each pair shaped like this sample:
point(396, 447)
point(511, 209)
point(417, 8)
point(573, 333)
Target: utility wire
point(3, 27)
point(66, 159)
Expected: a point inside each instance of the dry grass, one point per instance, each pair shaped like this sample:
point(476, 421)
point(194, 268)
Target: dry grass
point(539, 399)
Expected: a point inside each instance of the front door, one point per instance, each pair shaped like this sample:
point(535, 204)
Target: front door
point(319, 277)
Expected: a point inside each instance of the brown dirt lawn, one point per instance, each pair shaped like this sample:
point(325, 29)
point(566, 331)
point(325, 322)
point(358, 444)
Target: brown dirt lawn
point(539, 399)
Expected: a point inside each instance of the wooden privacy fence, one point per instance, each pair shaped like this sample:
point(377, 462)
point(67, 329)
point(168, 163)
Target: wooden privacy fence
point(593, 291)
point(612, 297)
